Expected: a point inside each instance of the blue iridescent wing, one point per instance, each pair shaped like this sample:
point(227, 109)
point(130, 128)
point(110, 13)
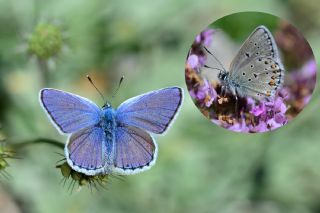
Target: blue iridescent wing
point(69, 112)
point(88, 151)
point(135, 150)
point(153, 111)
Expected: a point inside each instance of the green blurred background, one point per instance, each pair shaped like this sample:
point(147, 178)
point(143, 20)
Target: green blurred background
point(201, 167)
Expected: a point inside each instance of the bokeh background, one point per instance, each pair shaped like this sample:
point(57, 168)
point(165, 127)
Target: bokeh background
point(201, 167)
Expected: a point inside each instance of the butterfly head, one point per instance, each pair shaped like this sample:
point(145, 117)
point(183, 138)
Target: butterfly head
point(223, 76)
point(106, 106)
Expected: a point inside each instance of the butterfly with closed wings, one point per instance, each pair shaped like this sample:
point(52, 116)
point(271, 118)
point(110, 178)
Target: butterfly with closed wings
point(256, 71)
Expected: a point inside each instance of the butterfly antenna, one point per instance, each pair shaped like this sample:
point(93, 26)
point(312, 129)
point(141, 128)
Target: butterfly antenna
point(90, 80)
point(214, 68)
point(214, 57)
point(116, 91)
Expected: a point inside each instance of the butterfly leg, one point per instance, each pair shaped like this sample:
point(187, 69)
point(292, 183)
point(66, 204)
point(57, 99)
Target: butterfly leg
point(223, 91)
point(236, 105)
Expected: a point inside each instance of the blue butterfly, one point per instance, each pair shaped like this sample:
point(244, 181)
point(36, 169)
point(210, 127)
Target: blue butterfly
point(107, 140)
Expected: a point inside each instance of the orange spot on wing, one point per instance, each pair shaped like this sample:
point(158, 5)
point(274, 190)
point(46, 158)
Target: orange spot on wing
point(272, 83)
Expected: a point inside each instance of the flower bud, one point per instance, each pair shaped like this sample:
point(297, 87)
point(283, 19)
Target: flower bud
point(46, 41)
point(80, 178)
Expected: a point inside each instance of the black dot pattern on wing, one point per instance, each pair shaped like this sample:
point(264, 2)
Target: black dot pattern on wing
point(259, 44)
point(262, 81)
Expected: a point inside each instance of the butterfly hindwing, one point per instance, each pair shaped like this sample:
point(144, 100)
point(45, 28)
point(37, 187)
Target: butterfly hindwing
point(262, 77)
point(69, 112)
point(89, 150)
point(135, 150)
point(153, 111)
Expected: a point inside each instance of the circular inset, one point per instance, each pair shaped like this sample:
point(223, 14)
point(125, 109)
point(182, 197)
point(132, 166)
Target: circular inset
point(250, 72)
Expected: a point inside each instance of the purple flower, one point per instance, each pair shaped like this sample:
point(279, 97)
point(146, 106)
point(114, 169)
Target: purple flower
point(198, 95)
point(239, 127)
point(306, 76)
point(272, 124)
point(211, 93)
point(193, 61)
point(258, 110)
point(309, 70)
point(284, 93)
point(269, 114)
point(250, 102)
point(306, 99)
point(197, 58)
point(280, 118)
point(279, 106)
point(202, 60)
point(205, 37)
point(205, 93)
point(261, 127)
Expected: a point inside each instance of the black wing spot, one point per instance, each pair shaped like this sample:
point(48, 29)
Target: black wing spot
point(249, 79)
point(248, 55)
point(255, 75)
point(243, 73)
point(251, 66)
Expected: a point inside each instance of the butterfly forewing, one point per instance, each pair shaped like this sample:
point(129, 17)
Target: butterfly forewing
point(259, 44)
point(69, 112)
point(153, 111)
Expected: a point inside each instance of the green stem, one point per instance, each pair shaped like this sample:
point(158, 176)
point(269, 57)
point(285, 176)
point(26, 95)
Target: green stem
point(44, 71)
point(22, 144)
point(261, 169)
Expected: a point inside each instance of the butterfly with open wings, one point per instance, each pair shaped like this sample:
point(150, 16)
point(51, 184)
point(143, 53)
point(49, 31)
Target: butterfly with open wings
point(107, 140)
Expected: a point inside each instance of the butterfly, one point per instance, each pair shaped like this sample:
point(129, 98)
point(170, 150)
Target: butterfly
point(256, 71)
point(107, 140)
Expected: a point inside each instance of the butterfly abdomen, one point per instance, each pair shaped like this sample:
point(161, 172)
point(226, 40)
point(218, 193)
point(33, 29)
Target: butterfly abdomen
point(108, 124)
